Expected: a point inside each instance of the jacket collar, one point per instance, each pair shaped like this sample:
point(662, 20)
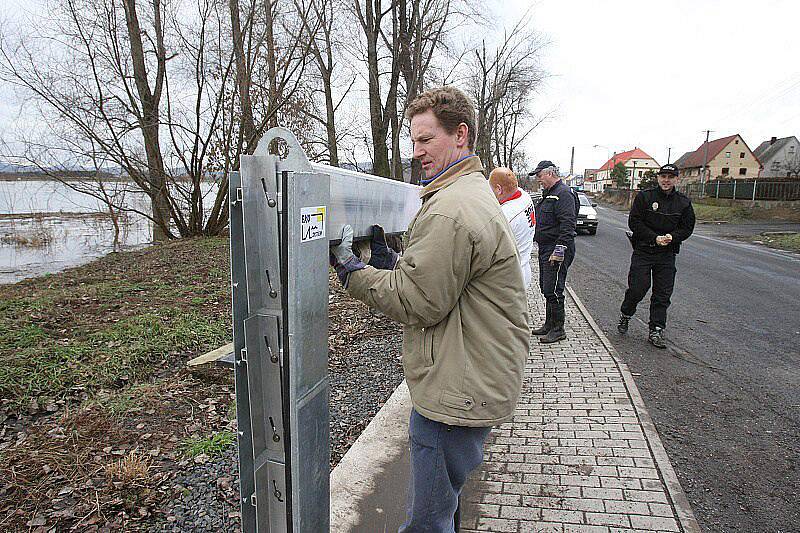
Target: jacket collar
point(451, 174)
point(517, 194)
point(555, 186)
point(665, 194)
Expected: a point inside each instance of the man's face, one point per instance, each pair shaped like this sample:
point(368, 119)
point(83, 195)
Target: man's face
point(667, 181)
point(434, 147)
point(546, 178)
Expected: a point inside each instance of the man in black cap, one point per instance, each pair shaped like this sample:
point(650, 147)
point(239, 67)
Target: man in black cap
point(556, 215)
point(661, 218)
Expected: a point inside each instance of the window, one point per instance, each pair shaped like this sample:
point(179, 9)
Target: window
point(640, 173)
point(791, 151)
point(741, 155)
point(728, 155)
point(742, 171)
point(737, 141)
point(776, 165)
point(629, 172)
point(726, 171)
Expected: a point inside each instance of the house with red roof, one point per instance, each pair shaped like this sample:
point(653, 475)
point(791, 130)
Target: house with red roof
point(725, 158)
point(637, 162)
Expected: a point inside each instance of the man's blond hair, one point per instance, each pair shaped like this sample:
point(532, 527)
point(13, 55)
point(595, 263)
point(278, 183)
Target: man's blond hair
point(505, 178)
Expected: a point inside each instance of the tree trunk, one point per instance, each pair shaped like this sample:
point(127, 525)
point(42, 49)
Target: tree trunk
point(247, 127)
point(271, 67)
point(149, 117)
point(330, 116)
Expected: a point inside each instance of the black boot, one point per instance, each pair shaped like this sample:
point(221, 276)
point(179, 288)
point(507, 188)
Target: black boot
point(548, 321)
point(557, 332)
point(622, 325)
point(656, 338)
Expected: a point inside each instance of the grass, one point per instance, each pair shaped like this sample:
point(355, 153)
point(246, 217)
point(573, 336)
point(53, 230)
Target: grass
point(705, 212)
point(131, 469)
point(113, 322)
point(213, 445)
point(709, 209)
point(789, 242)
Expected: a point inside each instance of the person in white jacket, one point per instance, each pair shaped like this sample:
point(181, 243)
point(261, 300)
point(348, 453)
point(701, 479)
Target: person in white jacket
point(517, 206)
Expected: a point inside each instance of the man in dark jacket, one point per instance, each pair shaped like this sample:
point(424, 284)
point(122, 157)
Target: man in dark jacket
point(556, 215)
point(661, 218)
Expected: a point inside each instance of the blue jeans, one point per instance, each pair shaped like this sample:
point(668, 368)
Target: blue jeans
point(442, 458)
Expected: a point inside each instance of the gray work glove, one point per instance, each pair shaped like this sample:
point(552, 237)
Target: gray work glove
point(342, 258)
point(558, 254)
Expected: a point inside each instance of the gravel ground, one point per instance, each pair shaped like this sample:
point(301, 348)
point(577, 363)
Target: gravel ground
point(206, 495)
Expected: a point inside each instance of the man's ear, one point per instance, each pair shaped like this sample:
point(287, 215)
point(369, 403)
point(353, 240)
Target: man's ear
point(462, 135)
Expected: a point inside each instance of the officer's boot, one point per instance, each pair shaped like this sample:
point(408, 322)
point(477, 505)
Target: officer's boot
point(656, 337)
point(557, 332)
point(622, 325)
point(548, 321)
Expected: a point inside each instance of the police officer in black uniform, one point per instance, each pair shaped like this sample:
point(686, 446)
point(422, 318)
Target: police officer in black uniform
point(661, 218)
point(556, 215)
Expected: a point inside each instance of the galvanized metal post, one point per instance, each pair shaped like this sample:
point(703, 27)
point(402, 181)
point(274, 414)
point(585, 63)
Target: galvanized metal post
point(285, 212)
point(755, 184)
point(734, 188)
point(717, 196)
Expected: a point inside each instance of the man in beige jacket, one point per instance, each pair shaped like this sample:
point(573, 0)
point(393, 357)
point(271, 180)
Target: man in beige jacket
point(456, 290)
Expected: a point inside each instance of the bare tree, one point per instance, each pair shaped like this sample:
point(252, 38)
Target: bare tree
point(146, 104)
point(261, 97)
point(371, 17)
point(172, 93)
point(327, 49)
point(502, 82)
point(420, 26)
point(98, 82)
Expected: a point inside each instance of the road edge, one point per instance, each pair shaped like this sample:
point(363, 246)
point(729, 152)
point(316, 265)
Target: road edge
point(680, 502)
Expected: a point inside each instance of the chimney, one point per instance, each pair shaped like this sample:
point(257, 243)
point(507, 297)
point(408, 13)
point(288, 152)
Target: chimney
point(772, 141)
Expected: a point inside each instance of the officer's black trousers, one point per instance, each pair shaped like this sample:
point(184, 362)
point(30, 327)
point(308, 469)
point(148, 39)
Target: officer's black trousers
point(661, 267)
point(552, 279)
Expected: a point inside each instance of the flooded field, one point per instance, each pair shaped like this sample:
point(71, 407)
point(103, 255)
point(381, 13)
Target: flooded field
point(46, 226)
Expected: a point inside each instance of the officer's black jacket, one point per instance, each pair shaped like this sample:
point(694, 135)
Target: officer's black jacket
point(655, 213)
point(556, 215)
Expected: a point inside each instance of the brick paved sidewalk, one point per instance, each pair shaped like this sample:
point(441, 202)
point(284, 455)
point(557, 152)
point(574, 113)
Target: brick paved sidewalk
point(581, 454)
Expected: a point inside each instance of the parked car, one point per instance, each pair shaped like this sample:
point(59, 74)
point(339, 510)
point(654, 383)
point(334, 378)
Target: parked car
point(587, 215)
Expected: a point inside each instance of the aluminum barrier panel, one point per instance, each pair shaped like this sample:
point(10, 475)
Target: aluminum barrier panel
point(285, 212)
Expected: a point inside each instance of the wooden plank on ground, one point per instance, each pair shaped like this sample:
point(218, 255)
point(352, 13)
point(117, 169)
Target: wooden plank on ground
point(212, 356)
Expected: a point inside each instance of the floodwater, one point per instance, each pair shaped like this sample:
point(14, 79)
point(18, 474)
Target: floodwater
point(47, 226)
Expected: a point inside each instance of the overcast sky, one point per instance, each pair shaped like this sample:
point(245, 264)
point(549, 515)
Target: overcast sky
point(655, 74)
point(646, 73)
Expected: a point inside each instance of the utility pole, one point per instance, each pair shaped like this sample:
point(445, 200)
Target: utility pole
point(572, 162)
point(705, 162)
point(669, 153)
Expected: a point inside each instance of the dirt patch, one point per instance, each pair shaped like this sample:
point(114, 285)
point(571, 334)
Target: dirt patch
point(100, 417)
point(98, 465)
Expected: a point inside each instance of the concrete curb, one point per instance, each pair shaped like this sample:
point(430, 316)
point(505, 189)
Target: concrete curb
point(357, 474)
point(680, 502)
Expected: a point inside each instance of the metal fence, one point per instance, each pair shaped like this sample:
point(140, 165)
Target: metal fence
point(753, 190)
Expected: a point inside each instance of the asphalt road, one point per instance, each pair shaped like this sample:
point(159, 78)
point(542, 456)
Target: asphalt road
point(725, 395)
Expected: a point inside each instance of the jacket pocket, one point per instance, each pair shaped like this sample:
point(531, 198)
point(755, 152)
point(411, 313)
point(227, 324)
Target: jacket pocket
point(546, 216)
point(427, 345)
point(457, 401)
